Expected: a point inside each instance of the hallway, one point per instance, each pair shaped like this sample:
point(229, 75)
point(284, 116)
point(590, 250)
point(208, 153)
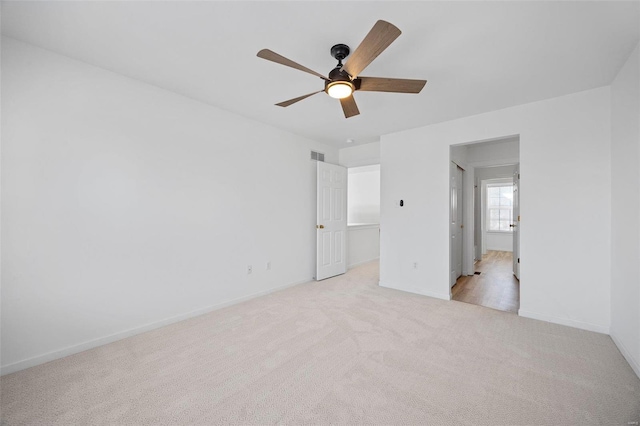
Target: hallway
point(495, 287)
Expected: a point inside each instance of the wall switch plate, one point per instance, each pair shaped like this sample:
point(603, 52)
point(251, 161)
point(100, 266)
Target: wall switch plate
point(268, 265)
point(249, 269)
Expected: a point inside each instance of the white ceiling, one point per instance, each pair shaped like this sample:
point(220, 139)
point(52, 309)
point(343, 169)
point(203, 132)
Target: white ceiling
point(476, 56)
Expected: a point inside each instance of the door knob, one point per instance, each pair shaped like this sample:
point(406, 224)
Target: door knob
point(512, 226)
point(319, 226)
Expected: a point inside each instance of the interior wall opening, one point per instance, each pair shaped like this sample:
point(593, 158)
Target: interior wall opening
point(363, 214)
point(484, 223)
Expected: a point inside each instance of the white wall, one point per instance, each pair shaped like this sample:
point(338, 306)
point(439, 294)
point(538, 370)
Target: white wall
point(460, 155)
point(494, 153)
point(360, 155)
point(625, 210)
point(363, 244)
point(499, 241)
point(565, 145)
point(502, 172)
point(126, 206)
point(363, 201)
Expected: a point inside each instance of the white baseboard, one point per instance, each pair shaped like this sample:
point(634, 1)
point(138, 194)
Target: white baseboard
point(81, 347)
point(353, 265)
point(564, 321)
point(443, 296)
point(634, 363)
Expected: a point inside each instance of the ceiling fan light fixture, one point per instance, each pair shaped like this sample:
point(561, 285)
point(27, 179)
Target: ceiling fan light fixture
point(340, 89)
point(344, 79)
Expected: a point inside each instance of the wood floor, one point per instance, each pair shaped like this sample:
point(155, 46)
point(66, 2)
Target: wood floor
point(496, 287)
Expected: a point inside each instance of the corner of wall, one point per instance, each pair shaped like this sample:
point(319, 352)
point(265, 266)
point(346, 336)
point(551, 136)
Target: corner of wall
point(626, 353)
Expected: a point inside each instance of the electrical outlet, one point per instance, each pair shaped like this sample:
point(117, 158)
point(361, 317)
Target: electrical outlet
point(268, 265)
point(249, 269)
point(415, 265)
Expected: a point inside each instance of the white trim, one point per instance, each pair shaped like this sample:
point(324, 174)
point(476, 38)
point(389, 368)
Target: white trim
point(495, 163)
point(100, 341)
point(564, 321)
point(498, 181)
point(353, 265)
point(361, 162)
point(468, 182)
point(359, 226)
point(635, 365)
point(489, 141)
point(417, 291)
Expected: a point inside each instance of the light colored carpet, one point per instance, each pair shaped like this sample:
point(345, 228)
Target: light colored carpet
point(341, 351)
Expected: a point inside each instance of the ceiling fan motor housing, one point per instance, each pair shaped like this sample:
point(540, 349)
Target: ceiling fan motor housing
point(337, 74)
point(340, 51)
point(339, 77)
point(343, 80)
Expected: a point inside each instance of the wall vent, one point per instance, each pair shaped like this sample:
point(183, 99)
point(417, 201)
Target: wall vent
point(317, 156)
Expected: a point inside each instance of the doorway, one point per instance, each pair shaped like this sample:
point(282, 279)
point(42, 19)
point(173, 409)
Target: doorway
point(493, 284)
point(485, 188)
point(363, 215)
point(456, 222)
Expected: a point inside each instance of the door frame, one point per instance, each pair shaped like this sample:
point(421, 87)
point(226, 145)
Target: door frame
point(331, 221)
point(460, 204)
point(484, 183)
point(516, 222)
point(468, 252)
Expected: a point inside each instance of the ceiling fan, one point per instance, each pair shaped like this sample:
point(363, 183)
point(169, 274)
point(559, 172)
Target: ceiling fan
point(345, 79)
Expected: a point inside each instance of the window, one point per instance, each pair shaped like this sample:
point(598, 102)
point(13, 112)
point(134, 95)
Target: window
point(499, 207)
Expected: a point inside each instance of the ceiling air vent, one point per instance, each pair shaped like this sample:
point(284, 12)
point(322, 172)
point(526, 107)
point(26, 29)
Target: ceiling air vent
point(317, 156)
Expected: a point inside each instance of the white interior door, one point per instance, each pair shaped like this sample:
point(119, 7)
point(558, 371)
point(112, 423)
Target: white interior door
point(331, 227)
point(456, 222)
point(516, 222)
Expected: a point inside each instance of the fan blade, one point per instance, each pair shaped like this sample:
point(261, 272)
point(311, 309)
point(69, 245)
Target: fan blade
point(396, 85)
point(349, 106)
point(294, 100)
point(279, 59)
point(379, 38)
